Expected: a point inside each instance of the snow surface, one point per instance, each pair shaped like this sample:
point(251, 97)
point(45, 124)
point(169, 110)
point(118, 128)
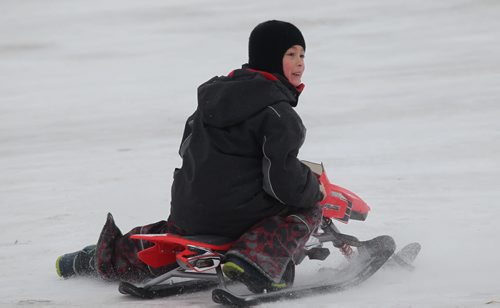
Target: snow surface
point(401, 104)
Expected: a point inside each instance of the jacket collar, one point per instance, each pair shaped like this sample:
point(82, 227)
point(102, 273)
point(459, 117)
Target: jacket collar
point(296, 91)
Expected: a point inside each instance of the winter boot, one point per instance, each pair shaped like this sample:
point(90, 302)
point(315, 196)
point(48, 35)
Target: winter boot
point(79, 263)
point(240, 270)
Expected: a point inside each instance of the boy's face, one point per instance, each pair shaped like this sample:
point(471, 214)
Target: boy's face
point(293, 64)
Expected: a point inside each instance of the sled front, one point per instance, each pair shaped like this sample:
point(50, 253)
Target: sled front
point(340, 203)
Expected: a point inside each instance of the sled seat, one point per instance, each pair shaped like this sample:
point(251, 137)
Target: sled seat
point(171, 248)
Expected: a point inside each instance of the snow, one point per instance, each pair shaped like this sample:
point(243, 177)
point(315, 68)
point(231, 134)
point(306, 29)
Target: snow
point(401, 104)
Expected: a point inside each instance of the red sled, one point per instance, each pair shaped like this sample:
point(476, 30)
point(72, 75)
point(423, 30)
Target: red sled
point(200, 257)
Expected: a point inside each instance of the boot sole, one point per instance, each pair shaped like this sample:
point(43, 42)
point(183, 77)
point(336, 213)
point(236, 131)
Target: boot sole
point(58, 267)
point(233, 271)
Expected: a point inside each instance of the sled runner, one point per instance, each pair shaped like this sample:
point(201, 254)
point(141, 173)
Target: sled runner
point(200, 258)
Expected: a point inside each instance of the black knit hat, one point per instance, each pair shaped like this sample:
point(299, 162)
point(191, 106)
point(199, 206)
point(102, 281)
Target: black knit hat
point(268, 43)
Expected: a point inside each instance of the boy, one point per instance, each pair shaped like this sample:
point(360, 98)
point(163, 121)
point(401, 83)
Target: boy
point(240, 175)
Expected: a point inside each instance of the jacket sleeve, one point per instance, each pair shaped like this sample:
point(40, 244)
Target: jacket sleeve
point(285, 177)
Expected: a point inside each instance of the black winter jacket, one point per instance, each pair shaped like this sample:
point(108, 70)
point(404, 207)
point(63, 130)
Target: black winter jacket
point(239, 152)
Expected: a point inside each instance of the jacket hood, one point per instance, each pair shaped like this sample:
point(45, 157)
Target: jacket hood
point(228, 100)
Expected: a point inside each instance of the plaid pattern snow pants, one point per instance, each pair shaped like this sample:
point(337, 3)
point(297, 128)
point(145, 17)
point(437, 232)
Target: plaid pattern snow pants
point(271, 244)
point(116, 254)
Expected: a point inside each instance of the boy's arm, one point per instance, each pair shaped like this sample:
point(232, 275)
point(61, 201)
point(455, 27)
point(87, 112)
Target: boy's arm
point(285, 177)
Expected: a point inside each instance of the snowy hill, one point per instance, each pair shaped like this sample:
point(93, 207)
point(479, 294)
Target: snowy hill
point(401, 104)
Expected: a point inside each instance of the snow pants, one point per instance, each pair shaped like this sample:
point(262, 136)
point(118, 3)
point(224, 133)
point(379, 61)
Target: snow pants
point(269, 245)
point(276, 241)
point(116, 254)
